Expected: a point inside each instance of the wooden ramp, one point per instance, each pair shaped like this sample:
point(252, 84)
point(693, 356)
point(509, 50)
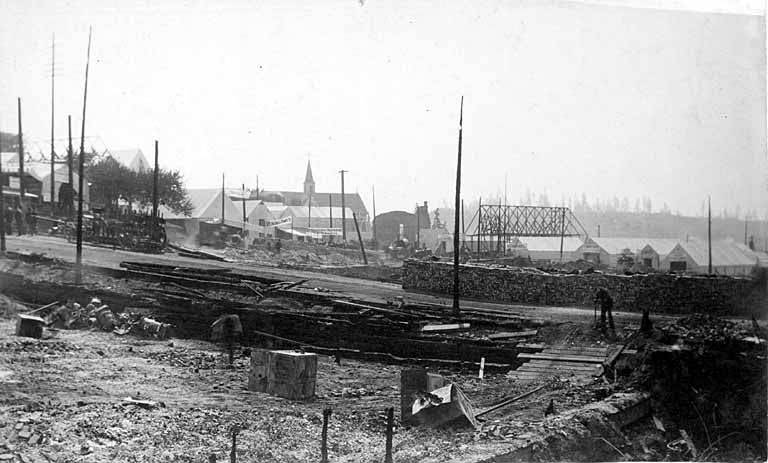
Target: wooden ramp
point(562, 361)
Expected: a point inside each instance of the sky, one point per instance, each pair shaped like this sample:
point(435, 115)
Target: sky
point(607, 98)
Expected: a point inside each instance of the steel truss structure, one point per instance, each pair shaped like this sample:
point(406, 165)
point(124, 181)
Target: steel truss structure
point(499, 223)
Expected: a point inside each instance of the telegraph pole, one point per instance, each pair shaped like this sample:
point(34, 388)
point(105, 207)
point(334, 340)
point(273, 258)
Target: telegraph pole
point(2, 206)
point(53, 155)
point(373, 191)
point(155, 194)
point(70, 173)
point(330, 209)
point(745, 230)
point(79, 260)
point(709, 234)
point(456, 251)
point(343, 209)
point(223, 194)
point(418, 226)
point(245, 217)
point(309, 213)
point(21, 156)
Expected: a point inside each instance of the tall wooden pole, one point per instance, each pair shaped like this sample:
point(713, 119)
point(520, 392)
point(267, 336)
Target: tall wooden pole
point(418, 226)
point(562, 235)
point(53, 155)
point(359, 238)
point(309, 212)
point(21, 155)
point(456, 251)
point(343, 210)
point(373, 192)
point(745, 231)
point(709, 234)
point(155, 193)
point(2, 205)
point(245, 216)
point(70, 166)
point(479, 223)
point(330, 209)
point(223, 194)
point(80, 173)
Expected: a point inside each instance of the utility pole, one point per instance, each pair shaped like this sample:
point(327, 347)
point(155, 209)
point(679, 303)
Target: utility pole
point(53, 155)
point(155, 193)
point(81, 168)
point(309, 213)
point(745, 231)
point(456, 251)
point(343, 209)
point(245, 217)
point(70, 173)
point(360, 239)
point(373, 192)
point(479, 223)
point(2, 205)
point(418, 226)
point(562, 235)
point(21, 156)
point(223, 195)
point(330, 209)
point(709, 234)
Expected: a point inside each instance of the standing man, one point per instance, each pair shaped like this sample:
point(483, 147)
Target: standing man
point(18, 216)
point(606, 308)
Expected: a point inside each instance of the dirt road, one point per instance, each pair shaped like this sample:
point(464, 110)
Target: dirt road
point(108, 258)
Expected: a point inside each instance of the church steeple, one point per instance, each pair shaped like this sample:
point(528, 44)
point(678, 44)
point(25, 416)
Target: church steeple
point(309, 181)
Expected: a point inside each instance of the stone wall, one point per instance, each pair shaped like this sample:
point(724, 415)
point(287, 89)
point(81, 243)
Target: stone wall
point(661, 292)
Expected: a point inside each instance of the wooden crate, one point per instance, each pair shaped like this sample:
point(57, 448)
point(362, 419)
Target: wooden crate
point(29, 326)
point(283, 373)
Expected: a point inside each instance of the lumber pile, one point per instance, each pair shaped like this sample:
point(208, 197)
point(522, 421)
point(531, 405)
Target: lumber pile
point(662, 292)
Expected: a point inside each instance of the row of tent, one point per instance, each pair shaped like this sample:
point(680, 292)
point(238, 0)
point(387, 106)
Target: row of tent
point(687, 255)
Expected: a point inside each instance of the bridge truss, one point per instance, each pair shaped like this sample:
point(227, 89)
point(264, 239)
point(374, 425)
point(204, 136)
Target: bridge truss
point(494, 225)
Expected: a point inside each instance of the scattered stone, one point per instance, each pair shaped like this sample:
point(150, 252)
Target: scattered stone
point(34, 439)
point(24, 435)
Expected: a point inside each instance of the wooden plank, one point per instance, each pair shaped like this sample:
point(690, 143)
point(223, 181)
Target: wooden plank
point(549, 346)
point(446, 327)
point(355, 305)
point(517, 334)
point(527, 367)
point(562, 358)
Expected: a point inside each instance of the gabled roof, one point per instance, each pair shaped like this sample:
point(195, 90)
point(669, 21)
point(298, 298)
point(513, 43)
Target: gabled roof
point(206, 204)
point(548, 243)
point(317, 212)
point(133, 159)
point(616, 245)
point(724, 254)
point(351, 200)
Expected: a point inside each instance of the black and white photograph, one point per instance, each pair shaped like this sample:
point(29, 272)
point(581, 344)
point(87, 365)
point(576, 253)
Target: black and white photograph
point(383, 231)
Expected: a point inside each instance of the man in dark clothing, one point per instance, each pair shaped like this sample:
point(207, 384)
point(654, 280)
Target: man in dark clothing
point(32, 221)
point(18, 217)
point(606, 308)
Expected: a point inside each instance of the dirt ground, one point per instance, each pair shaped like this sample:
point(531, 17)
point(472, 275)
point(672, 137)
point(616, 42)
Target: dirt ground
point(62, 399)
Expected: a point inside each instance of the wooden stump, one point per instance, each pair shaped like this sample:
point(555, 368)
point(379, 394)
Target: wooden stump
point(283, 373)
